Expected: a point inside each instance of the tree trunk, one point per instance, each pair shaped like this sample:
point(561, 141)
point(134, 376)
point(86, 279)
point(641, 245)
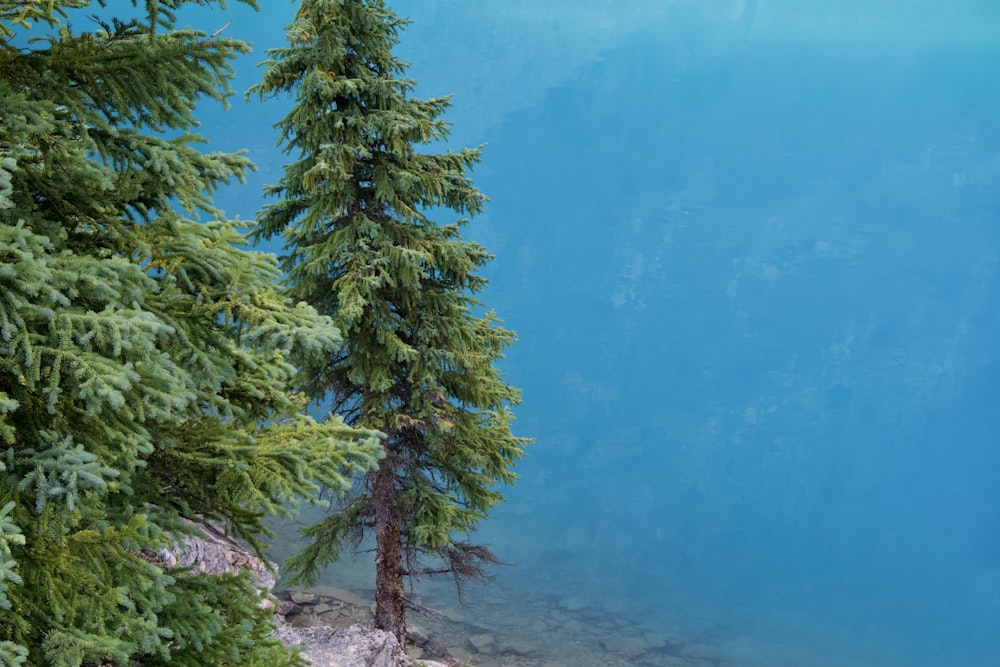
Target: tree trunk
point(389, 601)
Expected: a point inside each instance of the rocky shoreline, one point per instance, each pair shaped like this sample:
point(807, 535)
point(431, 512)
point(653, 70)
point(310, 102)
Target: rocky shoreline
point(353, 646)
point(563, 632)
point(333, 625)
point(332, 633)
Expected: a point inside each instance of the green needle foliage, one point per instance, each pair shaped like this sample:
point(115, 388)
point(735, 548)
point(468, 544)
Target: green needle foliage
point(419, 359)
point(145, 373)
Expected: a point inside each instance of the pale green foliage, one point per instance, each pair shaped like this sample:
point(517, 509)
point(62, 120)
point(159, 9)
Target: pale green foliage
point(60, 472)
point(419, 362)
point(146, 361)
point(6, 188)
point(12, 655)
point(10, 536)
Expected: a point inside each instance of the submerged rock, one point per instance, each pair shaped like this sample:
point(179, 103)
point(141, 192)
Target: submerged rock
point(628, 646)
point(482, 642)
point(303, 597)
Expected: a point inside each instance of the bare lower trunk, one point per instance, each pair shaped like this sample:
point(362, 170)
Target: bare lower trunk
point(389, 601)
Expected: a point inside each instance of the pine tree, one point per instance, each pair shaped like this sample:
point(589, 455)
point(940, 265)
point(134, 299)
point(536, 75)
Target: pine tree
point(145, 373)
point(419, 361)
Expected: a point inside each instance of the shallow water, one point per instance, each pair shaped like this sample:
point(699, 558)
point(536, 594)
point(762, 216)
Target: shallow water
point(752, 249)
point(533, 614)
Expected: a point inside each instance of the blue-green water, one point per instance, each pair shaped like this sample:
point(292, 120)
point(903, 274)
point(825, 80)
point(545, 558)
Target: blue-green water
point(751, 248)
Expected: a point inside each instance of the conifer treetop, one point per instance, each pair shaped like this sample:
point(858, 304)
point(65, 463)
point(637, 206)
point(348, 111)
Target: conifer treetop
point(356, 209)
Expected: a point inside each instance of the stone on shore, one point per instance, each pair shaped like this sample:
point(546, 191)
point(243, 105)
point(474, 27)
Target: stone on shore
point(323, 646)
point(355, 646)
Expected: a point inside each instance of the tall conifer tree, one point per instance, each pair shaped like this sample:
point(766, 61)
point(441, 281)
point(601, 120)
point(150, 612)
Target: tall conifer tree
point(144, 373)
point(419, 359)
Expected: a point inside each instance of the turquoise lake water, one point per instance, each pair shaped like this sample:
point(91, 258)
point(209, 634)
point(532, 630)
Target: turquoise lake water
point(752, 250)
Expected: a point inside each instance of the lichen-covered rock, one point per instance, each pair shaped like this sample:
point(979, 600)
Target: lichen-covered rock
point(355, 646)
point(216, 553)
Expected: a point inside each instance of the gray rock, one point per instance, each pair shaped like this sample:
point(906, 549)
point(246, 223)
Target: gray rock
point(304, 597)
point(355, 646)
point(217, 553)
point(167, 558)
point(288, 607)
point(417, 636)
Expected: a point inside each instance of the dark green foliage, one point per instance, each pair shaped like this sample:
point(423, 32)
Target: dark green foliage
point(419, 359)
point(145, 373)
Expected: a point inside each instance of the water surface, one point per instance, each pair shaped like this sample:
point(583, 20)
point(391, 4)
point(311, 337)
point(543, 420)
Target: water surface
point(751, 248)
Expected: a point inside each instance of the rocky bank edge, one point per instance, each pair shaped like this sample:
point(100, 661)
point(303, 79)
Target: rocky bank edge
point(323, 646)
point(354, 646)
